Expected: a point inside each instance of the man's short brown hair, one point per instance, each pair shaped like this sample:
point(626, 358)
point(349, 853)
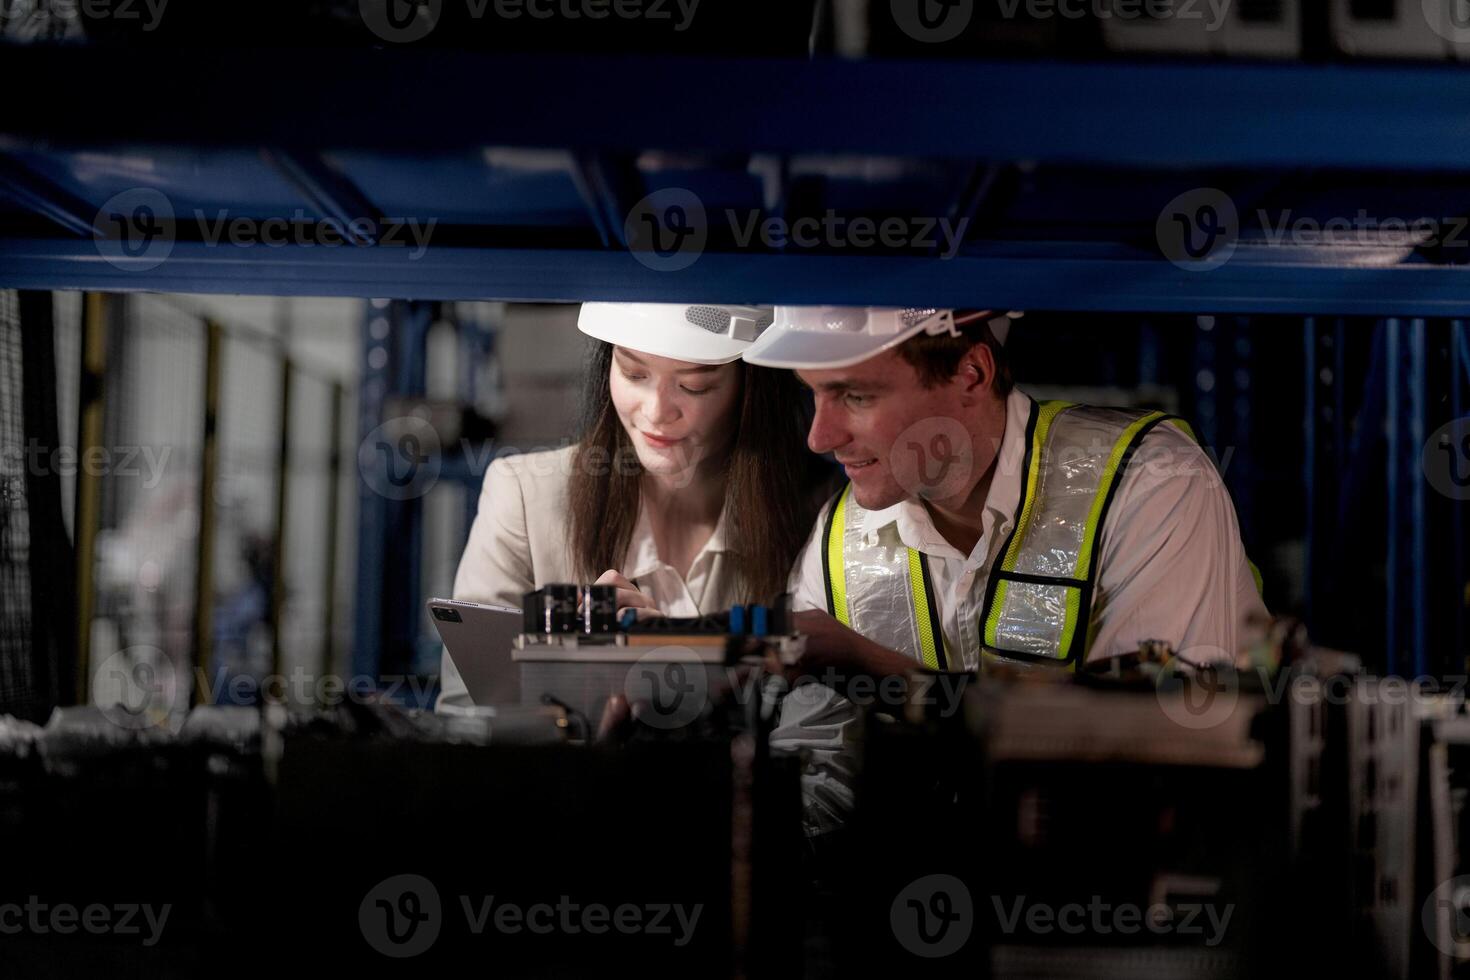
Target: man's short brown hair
point(937, 357)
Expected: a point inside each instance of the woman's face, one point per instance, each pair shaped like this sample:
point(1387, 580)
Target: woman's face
point(677, 414)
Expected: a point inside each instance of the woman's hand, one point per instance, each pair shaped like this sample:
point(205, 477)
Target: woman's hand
point(628, 595)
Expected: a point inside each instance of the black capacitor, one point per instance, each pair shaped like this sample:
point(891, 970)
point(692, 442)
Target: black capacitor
point(559, 609)
point(599, 608)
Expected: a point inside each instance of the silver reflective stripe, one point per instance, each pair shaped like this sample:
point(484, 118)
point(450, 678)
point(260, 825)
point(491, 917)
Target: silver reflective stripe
point(1032, 618)
point(876, 570)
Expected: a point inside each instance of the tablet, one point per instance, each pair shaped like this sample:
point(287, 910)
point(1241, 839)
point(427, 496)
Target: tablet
point(479, 638)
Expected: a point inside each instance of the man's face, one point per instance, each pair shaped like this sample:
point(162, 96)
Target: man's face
point(896, 438)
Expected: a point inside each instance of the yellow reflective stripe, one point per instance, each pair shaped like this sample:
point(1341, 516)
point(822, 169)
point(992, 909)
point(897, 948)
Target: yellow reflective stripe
point(1049, 411)
point(1046, 413)
point(1070, 617)
point(1184, 427)
point(1069, 622)
point(992, 622)
point(837, 570)
point(1094, 519)
point(920, 595)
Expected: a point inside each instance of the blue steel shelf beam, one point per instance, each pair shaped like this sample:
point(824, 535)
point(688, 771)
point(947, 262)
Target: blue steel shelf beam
point(37, 194)
point(1234, 114)
point(603, 185)
point(1083, 276)
point(328, 191)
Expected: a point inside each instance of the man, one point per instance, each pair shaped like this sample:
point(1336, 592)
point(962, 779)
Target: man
point(980, 526)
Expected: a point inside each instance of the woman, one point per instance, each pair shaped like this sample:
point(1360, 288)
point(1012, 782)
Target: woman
point(688, 489)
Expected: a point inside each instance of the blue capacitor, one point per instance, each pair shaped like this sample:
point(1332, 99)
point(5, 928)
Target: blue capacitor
point(737, 619)
point(758, 620)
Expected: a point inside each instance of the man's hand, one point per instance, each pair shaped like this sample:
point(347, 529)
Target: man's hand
point(830, 646)
point(628, 595)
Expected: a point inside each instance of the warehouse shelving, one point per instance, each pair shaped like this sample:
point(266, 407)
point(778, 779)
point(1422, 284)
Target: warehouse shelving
point(529, 184)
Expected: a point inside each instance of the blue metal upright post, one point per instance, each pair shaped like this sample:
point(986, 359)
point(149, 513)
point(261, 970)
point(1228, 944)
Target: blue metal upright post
point(1419, 555)
point(1309, 470)
point(1406, 566)
point(403, 600)
point(1459, 381)
point(1391, 522)
point(372, 507)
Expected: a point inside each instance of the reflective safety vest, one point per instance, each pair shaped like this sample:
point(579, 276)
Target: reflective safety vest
point(1038, 599)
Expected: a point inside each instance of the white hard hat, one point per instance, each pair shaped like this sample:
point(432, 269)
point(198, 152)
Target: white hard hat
point(703, 334)
point(813, 337)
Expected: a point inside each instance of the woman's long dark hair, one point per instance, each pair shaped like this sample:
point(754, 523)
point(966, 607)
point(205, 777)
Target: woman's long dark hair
point(770, 500)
